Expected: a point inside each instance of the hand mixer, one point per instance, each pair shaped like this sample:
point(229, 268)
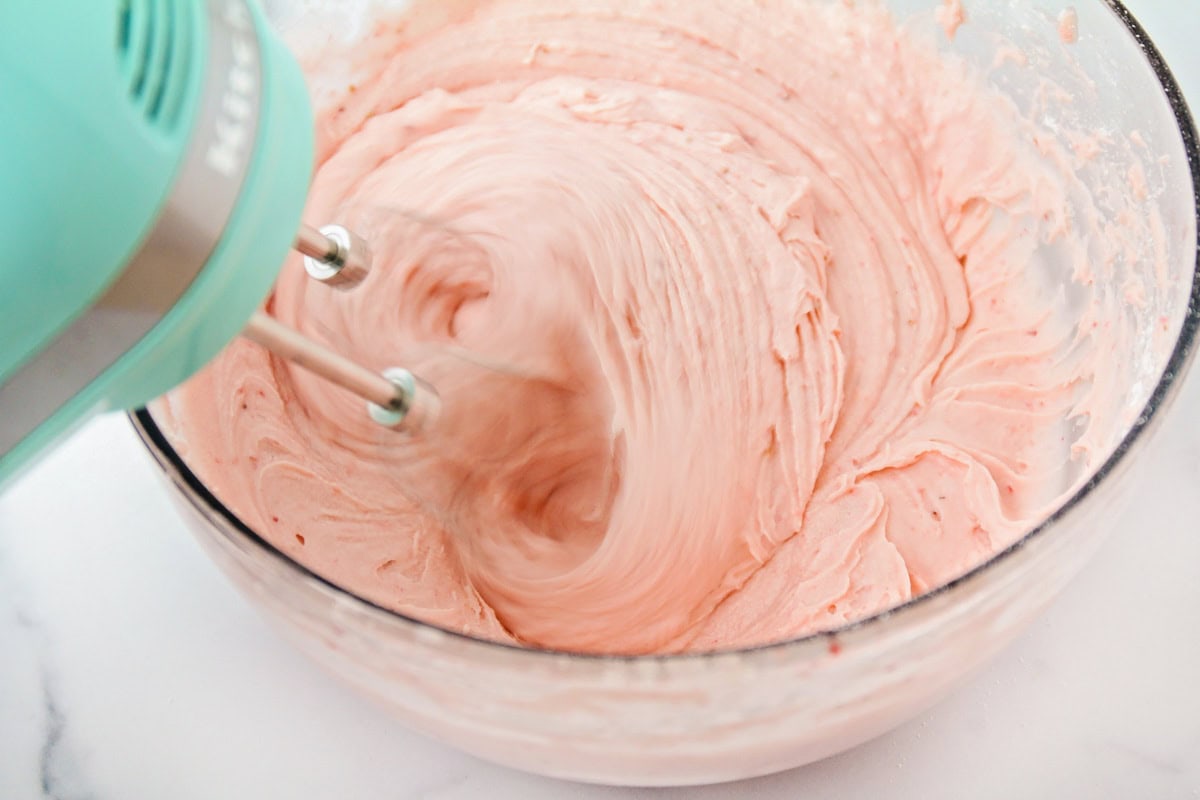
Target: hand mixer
point(154, 162)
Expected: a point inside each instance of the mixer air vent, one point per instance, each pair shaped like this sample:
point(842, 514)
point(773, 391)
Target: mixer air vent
point(154, 42)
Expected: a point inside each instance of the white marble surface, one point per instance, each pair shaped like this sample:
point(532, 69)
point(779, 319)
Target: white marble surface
point(130, 669)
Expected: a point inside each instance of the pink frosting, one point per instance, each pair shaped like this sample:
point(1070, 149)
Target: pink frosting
point(952, 16)
point(768, 283)
point(1068, 25)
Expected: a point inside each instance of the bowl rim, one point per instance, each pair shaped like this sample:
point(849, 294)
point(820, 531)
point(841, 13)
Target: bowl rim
point(1164, 393)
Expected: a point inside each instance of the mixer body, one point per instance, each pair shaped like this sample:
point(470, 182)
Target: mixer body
point(155, 158)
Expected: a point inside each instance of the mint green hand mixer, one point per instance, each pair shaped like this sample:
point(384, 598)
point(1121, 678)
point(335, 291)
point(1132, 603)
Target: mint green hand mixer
point(154, 161)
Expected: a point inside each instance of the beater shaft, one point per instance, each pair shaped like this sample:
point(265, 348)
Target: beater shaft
point(334, 255)
point(314, 244)
point(320, 360)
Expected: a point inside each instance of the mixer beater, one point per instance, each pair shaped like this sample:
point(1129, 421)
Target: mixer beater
point(342, 259)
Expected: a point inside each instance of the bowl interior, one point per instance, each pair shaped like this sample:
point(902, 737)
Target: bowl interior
point(1109, 105)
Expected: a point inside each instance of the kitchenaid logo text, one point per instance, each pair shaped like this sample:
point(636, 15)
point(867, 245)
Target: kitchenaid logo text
point(231, 132)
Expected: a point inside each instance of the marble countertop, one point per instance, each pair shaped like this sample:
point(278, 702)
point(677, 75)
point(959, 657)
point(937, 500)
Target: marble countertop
point(129, 668)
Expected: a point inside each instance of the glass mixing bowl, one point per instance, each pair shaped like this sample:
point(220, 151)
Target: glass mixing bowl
point(687, 719)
